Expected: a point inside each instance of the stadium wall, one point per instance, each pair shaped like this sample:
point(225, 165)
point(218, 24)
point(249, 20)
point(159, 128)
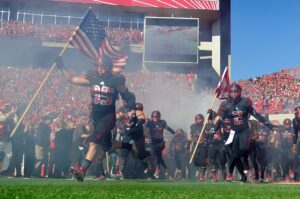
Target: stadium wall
point(281, 117)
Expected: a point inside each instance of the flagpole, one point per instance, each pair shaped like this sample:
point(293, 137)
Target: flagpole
point(45, 79)
point(38, 91)
point(218, 91)
point(203, 128)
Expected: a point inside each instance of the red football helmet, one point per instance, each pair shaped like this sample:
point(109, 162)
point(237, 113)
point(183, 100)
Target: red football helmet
point(235, 91)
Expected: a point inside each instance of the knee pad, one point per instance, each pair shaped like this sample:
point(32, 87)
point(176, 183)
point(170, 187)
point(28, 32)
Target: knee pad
point(2, 156)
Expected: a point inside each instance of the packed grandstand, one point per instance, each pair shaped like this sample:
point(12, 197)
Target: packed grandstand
point(278, 97)
point(276, 93)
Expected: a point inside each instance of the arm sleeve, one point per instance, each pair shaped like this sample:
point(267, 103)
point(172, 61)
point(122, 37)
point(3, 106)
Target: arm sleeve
point(126, 95)
point(222, 111)
point(259, 117)
point(129, 97)
point(218, 125)
point(168, 128)
point(295, 126)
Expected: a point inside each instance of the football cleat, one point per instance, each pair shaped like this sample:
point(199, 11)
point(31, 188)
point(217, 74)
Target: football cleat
point(229, 177)
point(119, 175)
point(78, 172)
point(202, 178)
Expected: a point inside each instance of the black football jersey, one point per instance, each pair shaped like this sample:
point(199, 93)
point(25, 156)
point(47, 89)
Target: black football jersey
point(236, 112)
point(179, 143)
point(195, 131)
point(157, 129)
point(104, 92)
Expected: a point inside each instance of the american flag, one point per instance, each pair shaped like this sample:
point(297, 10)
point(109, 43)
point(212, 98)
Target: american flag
point(90, 38)
point(222, 89)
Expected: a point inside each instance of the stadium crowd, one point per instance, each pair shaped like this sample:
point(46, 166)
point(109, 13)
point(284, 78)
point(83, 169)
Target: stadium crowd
point(61, 33)
point(274, 93)
point(61, 97)
point(58, 124)
point(271, 94)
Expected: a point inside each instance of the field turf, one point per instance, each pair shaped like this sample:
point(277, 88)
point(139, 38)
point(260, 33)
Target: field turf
point(140, 189)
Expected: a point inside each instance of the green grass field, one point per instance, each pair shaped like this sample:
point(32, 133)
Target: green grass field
point(141, 189)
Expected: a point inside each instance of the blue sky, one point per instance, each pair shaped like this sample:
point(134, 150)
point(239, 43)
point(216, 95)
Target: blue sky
point(265, 36)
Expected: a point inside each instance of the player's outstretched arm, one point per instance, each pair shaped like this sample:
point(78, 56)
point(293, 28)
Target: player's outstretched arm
point(77, 80)
point(261, 118)
point(126, 95)
point(169, 128)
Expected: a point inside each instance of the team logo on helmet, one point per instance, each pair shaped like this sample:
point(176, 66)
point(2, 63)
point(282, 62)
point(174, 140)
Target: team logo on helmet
point(235, 91)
